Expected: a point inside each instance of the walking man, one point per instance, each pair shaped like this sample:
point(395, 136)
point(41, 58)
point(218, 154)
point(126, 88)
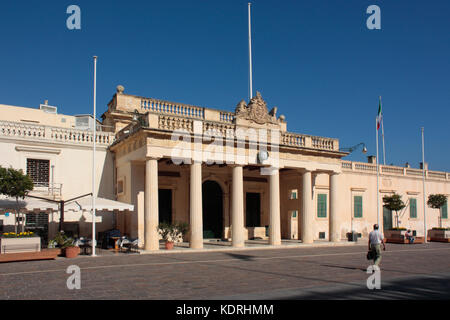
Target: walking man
point(375, 241)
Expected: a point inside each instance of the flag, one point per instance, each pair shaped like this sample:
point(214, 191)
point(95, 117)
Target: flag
point(379, 115)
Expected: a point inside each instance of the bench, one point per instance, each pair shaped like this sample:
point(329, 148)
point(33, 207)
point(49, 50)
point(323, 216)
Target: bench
point(440, 240)
point(402, 240)
point(45, 254)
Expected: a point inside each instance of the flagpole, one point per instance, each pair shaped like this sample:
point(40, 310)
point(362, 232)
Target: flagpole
point(94, 133)
point(250, 49)
point(424, 194)
point(378, 174)
point(382, 133)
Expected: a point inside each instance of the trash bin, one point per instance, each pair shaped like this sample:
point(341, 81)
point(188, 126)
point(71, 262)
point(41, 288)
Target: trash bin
point(352, 236)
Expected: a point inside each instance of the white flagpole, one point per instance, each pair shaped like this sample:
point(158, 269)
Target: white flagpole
point(378, 174)
point(250, 49)
point(424, 194)
point(382, 132)
point(94, 133)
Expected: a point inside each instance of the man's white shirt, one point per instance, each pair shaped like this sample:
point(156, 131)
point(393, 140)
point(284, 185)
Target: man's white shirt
point(375, 237)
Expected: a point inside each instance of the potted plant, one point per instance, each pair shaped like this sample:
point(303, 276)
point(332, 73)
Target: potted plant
point(172, 233)
point(67, 245)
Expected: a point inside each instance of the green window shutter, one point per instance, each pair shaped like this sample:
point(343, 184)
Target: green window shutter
point(412, 208)
point(358, 212)
point(444, 211)
point(322, 205)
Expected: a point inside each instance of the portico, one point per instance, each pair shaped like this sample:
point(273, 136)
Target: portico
point(248, 154)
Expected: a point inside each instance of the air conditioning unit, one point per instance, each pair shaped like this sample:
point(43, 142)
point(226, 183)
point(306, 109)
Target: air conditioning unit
point(48, 109)
point(82, 122)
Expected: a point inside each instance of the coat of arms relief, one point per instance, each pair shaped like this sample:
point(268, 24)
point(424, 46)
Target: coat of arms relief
point(256, 111)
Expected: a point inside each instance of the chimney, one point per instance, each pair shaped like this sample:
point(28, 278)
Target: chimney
point(426, 165)
point(372, 159)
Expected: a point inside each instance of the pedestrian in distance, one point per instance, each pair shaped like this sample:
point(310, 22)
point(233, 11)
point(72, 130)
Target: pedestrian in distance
point(376, 239)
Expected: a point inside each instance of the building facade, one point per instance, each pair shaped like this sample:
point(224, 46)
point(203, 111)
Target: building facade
point(242, 175)
point(230, 175)
point(55, 150)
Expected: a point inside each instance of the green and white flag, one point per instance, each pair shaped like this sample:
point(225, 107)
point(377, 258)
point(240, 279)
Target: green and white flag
point(379, 115)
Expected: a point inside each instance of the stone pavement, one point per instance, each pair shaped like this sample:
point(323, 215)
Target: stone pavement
point(320, 272)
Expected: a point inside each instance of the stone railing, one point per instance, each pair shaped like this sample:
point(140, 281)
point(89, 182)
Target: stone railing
point(171, 123)
point(27, 131)
point(292, 139)
point(392, 170)
point(21, 130)
point(323, 143)
point(179, 109)
point(226, 117)
point(222, 129)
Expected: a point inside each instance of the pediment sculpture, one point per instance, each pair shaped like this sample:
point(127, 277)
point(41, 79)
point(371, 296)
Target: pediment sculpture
point(255, 111)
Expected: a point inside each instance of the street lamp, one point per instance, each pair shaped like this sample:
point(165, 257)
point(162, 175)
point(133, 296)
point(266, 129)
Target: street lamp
point(351, 149)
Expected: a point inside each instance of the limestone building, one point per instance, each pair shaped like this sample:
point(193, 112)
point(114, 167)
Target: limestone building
point(230, 175)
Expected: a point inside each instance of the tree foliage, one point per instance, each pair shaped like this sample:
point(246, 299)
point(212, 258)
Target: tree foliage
point(436, 201)
point(15, 184)
point(394, 203)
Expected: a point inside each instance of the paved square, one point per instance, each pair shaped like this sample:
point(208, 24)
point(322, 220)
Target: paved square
point(407, 272)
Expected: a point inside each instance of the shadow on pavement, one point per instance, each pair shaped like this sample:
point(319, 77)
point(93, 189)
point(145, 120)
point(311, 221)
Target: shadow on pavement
point(423, 288)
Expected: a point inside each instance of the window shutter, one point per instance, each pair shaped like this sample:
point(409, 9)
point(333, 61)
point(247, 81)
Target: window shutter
point(412, 208)
point(444, 211)
point(321, 205)
point(358, 207)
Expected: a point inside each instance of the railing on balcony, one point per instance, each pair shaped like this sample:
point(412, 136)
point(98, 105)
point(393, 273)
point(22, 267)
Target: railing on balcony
point(53, 134)
point(180, 109)
point(392, 170)
point(47, 188)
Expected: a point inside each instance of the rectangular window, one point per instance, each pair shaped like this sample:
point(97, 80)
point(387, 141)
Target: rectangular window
point(321, 205)
point(38, 171)
point(293, 194)
point(358, 208)
point(444, 211)
point(412, 208)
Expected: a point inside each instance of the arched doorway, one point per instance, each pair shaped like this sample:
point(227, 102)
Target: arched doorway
point(212, 210)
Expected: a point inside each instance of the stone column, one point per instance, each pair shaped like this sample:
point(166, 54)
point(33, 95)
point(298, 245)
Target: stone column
point(237, 207)
point(334, 211)
point(196, 206)
point(308, 211)
point(151, 214)
point(274, 215)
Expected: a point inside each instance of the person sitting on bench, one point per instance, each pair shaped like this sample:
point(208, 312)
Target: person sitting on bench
point(409, 236)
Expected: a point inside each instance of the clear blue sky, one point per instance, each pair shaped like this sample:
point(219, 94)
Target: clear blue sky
point(315, 60)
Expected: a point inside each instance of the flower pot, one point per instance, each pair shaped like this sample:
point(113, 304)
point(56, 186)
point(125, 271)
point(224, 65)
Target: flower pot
point(169, 245)
point(72, 252)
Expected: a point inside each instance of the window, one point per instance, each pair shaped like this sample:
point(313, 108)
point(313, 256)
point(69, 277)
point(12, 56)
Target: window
point(294, 213)
point(358, 208)
point(321, 205)
point(38, 170)
point(121, 186)
point(293, 194)
point(444, 211)
point(412, 208)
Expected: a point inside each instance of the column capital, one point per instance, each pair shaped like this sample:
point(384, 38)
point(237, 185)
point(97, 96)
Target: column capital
point(152, 158)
